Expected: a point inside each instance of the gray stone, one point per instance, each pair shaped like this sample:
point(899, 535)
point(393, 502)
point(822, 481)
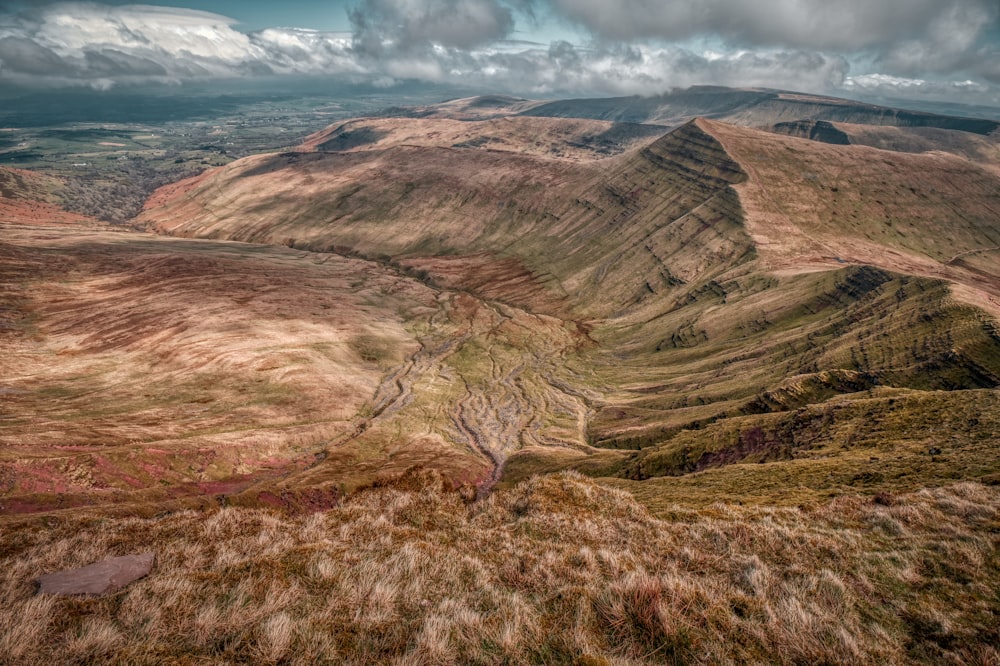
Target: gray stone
point(102, 577)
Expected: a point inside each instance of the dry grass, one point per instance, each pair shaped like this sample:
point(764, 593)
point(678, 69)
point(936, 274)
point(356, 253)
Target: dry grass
point(564, 138)
point(136, 368)
point(556, 570)
point(809, 205)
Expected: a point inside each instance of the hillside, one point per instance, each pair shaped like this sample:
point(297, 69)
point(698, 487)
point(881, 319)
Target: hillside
point(457, 384)
point(556, 570)
point(562, 139)
point(716, 273)
point(751, 107)
point(145, 369)
point(28, 197)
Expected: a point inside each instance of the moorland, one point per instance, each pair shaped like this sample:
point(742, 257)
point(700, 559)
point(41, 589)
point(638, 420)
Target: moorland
point(710, 377)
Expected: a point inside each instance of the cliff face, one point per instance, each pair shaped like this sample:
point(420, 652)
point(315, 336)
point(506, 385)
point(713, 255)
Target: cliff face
point(815, 130)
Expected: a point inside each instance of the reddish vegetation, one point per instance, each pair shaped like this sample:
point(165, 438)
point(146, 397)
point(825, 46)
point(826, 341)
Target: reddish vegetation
point(34, 212)
point(27, 197)
point(179, 365)
point(176, 190)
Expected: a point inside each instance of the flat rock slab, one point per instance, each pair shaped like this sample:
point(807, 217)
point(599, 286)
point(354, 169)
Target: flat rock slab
point(102, 577)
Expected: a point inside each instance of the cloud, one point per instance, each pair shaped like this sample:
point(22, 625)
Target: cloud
point(631, 70)
point(297, 51)
point(848, 25)
point(432, 40)
point(406, 25)
point(929, 52)
point(901, 38)
point(887, 86)
point(92, 44)
point(20, 54)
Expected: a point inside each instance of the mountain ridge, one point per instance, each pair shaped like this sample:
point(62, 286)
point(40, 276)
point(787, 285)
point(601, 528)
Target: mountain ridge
point(752, 107)
point(672, 256)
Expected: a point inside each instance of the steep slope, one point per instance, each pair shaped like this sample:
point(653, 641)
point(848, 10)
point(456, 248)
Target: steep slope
point(750, 107)
point(713, 274)
point(584, 229)
point(811, 205)
point(544, 137)
point(816, 130)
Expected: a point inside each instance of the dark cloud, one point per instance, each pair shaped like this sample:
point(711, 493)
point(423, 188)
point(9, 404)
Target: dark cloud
point(847, 25)
point(112, 63)
point(20, 54)
point(917, 48)
point(900, 39)
point(407, 25)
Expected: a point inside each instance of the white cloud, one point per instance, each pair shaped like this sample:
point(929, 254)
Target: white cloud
point(565, 69)
point(875, 81)
point(898, 87)
point(289, 50)
point(98, 45)
point(462, 42)
point(847, 25)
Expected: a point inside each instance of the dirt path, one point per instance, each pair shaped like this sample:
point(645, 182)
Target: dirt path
point(969, 253)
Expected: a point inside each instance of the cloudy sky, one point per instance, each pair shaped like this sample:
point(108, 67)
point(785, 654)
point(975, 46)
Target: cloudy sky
point(910, 49)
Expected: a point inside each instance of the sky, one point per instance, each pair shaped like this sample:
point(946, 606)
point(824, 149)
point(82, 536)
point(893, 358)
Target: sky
point(928, 50)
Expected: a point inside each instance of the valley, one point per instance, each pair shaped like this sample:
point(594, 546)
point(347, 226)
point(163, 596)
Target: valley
point(715, 273)
point(489, 339)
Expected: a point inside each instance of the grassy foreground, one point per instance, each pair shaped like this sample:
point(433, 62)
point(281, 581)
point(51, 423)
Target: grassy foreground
point(558, 569)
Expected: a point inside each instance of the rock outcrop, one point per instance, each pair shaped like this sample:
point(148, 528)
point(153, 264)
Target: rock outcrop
point(102, 577)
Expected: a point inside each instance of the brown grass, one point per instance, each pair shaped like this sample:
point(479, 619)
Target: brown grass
point(810, 205)
point(132, 365)
point(563, 138)
point(556, 570)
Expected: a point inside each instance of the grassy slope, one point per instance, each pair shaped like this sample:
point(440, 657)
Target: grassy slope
point(983, 150)
point(721, 272)
point(137, 368)
point(631, 309)
point(593, 227)
point(576, 140)
point(814, 204)
point(555, 571)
